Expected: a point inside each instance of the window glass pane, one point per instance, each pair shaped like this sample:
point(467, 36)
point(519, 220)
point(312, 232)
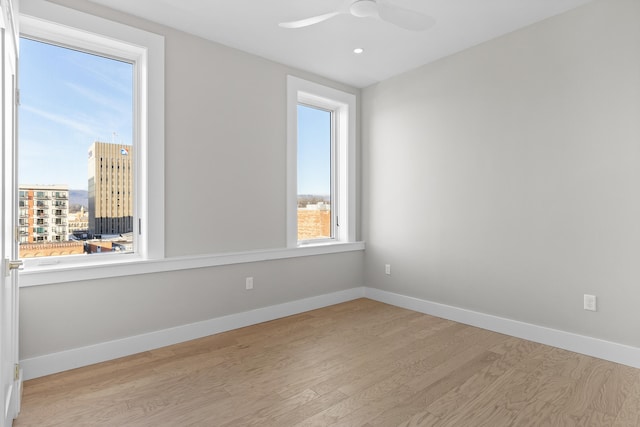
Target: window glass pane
point(314, 173)
point(75, 130)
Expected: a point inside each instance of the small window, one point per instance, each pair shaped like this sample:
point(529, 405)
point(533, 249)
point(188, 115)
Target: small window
point(321, 164)
point(315, 178)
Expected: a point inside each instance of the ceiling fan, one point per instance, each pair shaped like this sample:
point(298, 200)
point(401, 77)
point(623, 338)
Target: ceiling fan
point(379, 9)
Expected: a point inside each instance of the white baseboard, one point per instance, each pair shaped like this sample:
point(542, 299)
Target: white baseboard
point(75, 358)
point(606, 350)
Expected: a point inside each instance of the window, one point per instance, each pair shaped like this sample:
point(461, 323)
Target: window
point(125, 60)
point(321, 164)
point(316, 196)
point(70, 98)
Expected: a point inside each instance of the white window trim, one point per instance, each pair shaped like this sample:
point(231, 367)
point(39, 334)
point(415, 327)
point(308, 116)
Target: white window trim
point(343, 105)
point(72, 274)
point(46, 21)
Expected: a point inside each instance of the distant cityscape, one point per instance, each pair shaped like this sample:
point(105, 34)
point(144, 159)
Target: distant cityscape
point(54, 220)
point(314, 217)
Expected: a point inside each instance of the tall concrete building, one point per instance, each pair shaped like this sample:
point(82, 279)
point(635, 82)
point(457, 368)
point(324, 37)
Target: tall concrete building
point(110, 188)
point(43, 212)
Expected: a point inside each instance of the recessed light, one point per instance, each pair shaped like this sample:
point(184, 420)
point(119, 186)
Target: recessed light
point(358, 50)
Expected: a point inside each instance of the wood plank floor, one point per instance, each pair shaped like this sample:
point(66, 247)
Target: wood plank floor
point(360, 363)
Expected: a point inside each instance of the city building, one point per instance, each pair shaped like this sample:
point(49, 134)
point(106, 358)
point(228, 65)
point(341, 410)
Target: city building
point(110, 188)
point(36, 250)
point(43, 212)
point(314, 221)
point(79, 221)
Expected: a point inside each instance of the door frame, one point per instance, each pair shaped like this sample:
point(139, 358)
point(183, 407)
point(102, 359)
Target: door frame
point(10, 372)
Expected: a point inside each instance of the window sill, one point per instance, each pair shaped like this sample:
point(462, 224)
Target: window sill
point(73, 273)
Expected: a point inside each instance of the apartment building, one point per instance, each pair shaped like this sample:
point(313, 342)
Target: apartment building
point(43, 212)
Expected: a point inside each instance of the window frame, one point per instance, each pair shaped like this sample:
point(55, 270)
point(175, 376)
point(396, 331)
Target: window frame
point(334, 190)
point(50, 23)
point(342, 106)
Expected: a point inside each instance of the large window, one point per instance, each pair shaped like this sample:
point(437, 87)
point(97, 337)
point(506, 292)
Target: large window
point(76, 145)
point(91, 141)
point(321, 164)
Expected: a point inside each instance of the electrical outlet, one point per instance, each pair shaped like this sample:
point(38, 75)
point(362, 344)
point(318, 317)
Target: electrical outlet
point(590, 302)
point(249, 283)
point(387, 269)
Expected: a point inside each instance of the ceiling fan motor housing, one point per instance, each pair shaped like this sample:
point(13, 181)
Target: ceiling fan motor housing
point(364, 8)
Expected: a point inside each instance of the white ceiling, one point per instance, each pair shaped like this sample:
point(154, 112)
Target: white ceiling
point(327, 48)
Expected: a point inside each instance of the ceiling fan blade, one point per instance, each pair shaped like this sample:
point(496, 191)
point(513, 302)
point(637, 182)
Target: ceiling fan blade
point(405, 18)
point(309, 21)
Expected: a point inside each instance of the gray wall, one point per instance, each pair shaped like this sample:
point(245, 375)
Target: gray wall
point(506, 179)
point(225, 192)
point(66, 316)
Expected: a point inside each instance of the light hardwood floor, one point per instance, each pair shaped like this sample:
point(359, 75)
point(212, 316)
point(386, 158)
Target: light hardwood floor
point(360, 363)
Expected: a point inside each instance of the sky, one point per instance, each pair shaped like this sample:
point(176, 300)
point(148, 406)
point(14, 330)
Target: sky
point(314, 151)
point(68, 100)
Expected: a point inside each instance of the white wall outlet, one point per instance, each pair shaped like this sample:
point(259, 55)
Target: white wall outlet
point(590, 302)
point(249, 283)
point(387, 269)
